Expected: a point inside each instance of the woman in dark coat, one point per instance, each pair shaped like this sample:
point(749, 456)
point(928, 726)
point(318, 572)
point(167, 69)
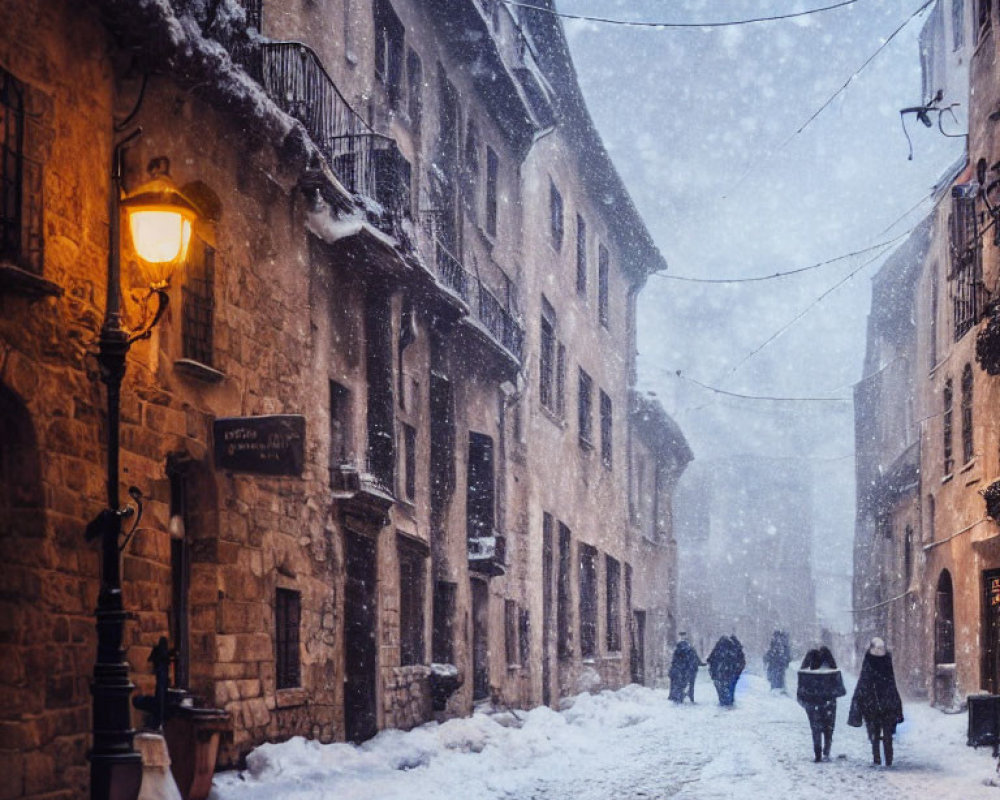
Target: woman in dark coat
point(683, 670)
point(725, 663)
point(820, 684)
point(876, 700)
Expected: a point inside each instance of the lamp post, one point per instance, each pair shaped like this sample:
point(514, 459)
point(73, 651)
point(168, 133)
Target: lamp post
point(160, 222)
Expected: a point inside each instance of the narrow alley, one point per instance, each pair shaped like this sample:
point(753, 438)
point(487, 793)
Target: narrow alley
point(631, 744)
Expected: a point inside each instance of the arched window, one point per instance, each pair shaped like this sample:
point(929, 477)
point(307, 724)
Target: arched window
point(967, 414)
point(944, 621)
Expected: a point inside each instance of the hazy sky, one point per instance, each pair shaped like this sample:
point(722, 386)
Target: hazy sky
point(701, 124)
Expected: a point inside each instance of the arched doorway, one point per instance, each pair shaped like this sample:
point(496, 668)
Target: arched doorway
point(945, 683)
point(944, 621)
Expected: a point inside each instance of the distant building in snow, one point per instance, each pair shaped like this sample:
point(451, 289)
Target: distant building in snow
point(744, 536)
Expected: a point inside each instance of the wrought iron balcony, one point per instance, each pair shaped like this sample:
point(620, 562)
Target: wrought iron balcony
point(493, 315)
point(447, 267)
point(367, 163)
point(500, 323)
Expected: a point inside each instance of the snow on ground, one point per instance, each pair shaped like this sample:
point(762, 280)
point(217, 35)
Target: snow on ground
point(632, 744)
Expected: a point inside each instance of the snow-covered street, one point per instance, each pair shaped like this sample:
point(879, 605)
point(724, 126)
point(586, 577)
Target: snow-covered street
point(633, 743)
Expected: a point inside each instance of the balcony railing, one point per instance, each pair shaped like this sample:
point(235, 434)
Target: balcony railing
point(500, 322)
point(447, 267)
point(367, 163)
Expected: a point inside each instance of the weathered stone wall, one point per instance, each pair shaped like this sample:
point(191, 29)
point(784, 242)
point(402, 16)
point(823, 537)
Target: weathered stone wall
point(407, 697)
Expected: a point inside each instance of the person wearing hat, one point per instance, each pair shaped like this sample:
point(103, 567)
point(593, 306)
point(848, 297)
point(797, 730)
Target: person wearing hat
point(876, 700)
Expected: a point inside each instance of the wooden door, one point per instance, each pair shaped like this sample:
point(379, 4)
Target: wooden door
point(480, 640)
point(991, 631)
point(360, 654)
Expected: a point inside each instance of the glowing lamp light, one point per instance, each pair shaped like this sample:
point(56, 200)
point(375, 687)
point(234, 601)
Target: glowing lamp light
point(160, 221)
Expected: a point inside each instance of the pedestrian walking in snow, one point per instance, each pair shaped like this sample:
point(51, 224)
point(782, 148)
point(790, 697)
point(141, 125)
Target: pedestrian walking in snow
point(683, 670)
point(820, 684)
point(777, 659)
point(876, 700)
point(725, 663)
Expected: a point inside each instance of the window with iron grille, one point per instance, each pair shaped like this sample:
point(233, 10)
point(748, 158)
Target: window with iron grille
point(510, 632)
point(564, 641)
point(389, 33)
point(581, 255)
point(949, 462)
point(606, 429)
point(968, 293)
point(556, 215)
point(614, 631)
point(560, 380)
point(547, 356)
point(492, 178)
point(199, 306)
point(415, 90)
point(603, 263)
point(588, 601)
point(411, 603)
point(470, 168)
point(20, 177)
point(340, 428)
point(967, 452)
point(585, 409)
point(480, 487)
point(287, 613)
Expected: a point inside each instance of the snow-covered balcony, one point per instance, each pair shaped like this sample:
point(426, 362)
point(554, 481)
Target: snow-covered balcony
point(368, 164)
point(488, 554)
point(360, 490)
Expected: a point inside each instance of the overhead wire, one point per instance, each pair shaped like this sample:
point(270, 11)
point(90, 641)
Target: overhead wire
point(740, 395)
point(753, 163)
point(808, 308)
point(650, 24)
point(859, 70)
point(755, 278)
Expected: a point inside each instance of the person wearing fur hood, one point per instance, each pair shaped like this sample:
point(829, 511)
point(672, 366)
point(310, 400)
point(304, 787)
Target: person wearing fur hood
point(820, 684)
point(876, 700)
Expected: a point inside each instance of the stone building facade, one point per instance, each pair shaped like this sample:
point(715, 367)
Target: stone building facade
point(413, 273)
point(887, 566)
point(949, 537)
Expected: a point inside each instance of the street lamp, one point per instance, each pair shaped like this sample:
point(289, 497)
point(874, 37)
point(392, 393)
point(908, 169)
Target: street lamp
point(160, 221)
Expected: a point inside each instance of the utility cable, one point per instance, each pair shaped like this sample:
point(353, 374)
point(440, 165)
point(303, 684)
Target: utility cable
point(692, 279)
point(858, 71)
point(643, 24)
point(717, 390)
point(805, 310)
point(750, 167)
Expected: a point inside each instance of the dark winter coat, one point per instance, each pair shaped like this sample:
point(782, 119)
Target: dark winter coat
point(776, 660)
point(817, 693)
point(876, 700)
point(685, 662)
point(683, 671)
point(726, 661)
